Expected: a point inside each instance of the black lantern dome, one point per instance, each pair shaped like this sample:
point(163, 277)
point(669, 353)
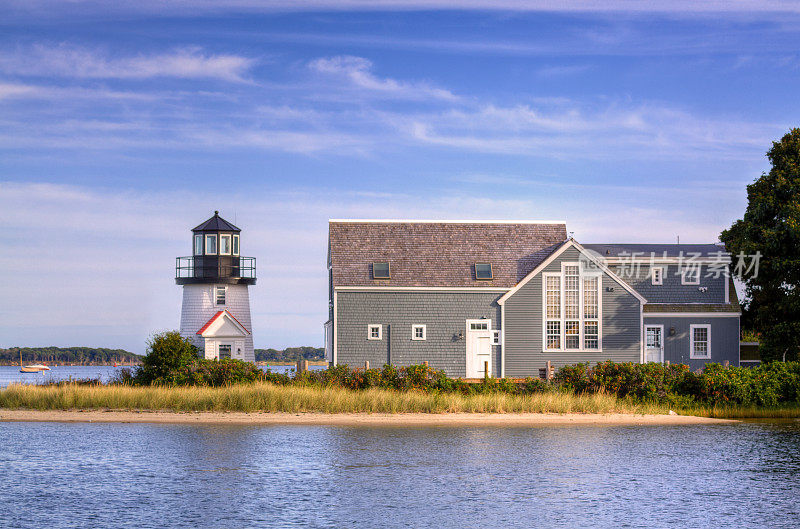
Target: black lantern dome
point(216, 257)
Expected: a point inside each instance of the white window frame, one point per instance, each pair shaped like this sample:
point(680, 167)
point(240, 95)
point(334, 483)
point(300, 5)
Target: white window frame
point(235, 242)
point(414, 332)
point(692, 327)
point(685, 269)
point(230, 243)
point(224, 295)
point(657, 281)
point(582, 274)
point(206, 238)
point(374, 326)
point(220, 345)
point(496, 337)
point(198, 237)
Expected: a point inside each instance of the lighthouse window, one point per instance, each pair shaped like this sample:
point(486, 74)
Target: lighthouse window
point(220, 295)
point(235, 245)
point(198, 245)
point(211, 244)
point(224, 244)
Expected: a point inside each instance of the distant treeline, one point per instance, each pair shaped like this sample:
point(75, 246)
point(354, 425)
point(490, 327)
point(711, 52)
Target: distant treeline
point(290, 354)
point(68, 355)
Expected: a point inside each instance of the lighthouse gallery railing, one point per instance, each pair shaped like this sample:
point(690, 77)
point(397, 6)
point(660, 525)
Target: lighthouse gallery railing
point(202, 267)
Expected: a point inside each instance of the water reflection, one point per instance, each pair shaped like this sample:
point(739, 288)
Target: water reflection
point(138, 475)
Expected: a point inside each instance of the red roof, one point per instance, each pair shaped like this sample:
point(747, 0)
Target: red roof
point(214, 318)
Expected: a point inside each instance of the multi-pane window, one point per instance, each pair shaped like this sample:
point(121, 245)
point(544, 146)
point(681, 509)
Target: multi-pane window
point(224, 351)
point(374, 332)
point(572, 309)
point(211, 244)
point(700, 341)
point(591, 335)
point(554, 335)
point(220, 295)
point(480, 326)
point(224, 244)
point(417, 332)
point(198, 245)
point(657, 275)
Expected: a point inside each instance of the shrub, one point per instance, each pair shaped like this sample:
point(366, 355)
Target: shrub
point(167, 353)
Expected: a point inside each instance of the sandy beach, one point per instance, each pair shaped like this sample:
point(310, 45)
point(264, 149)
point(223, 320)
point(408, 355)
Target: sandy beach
point(355, 419)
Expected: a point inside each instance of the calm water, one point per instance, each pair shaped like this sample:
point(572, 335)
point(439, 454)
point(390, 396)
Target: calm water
point(134, 475)
point(10, 374)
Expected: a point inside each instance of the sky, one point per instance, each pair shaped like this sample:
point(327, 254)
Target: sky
point(124, 126)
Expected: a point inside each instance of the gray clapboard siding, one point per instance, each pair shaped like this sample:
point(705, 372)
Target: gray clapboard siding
point(672, 291)
point(443, 313)
point(524, 354)
point(724, 339)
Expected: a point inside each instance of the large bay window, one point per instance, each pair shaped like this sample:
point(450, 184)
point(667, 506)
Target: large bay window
point(572, 309)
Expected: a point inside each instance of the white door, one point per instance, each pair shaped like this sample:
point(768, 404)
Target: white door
point(654, 343)
point(479, 348)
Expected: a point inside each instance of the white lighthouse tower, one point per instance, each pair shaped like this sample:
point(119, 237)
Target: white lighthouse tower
point(215, 314)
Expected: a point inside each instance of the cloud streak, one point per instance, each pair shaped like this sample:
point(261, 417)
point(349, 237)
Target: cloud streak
point(71, 61)
point(358, 71)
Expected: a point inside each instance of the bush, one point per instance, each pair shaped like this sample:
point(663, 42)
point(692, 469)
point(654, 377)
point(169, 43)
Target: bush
point(167, 353)
point(767, 385)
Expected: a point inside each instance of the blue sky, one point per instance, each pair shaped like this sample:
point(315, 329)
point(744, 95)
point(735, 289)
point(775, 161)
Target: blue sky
point(121, 127)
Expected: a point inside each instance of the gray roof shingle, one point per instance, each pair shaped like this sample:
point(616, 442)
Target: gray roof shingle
point(439, 254)
point(671, 250)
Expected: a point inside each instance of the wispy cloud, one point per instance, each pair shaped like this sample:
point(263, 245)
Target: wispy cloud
point(358, 71)
point(588, 130)
point(200, 7)
point(70, 61)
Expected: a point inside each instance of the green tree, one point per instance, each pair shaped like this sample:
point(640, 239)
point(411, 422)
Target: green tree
point(166, 353)
point(771, 226)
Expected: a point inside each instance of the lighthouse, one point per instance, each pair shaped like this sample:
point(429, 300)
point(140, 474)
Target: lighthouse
point(215, 314)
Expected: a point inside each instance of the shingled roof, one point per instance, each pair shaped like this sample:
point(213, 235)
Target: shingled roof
point(216, 223)
point(439, 253)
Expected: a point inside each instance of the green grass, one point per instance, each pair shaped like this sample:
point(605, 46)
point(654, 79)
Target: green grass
point(272, 398)
point(743, 412)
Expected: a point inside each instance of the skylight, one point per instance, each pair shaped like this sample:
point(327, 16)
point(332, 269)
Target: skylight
point(483, 271)
point(380, 270)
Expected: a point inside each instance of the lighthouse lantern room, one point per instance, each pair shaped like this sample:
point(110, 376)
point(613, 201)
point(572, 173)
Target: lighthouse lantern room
point(215, 314)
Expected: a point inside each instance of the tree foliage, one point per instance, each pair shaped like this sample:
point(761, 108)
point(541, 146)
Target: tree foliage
point(67, 355)
point(167, 352)
point(290, 354)
point(771, 226)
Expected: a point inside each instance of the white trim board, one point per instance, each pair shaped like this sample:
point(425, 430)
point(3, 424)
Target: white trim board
point(571, 243)
point(692, 314)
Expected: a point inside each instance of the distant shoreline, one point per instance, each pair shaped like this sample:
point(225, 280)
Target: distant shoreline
point(357, 419)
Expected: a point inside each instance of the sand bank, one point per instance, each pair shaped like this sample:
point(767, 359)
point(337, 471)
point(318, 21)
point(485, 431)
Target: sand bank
point(355, 419)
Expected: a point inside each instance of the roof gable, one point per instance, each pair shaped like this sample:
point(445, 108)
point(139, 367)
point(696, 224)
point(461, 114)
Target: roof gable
point(439, 253)
point(571, 243)
point(223, 323)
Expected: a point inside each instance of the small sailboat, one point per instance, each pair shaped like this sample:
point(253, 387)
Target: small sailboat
point(34, 368)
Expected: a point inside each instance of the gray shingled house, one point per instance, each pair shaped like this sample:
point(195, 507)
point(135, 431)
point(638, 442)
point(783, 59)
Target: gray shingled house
point(458, 294)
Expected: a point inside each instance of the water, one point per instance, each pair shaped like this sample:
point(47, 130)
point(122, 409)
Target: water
point(11, 374)
point(62, 475)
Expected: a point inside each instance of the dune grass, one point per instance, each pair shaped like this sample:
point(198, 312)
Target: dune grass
point(743, 412)
point(268, 397)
